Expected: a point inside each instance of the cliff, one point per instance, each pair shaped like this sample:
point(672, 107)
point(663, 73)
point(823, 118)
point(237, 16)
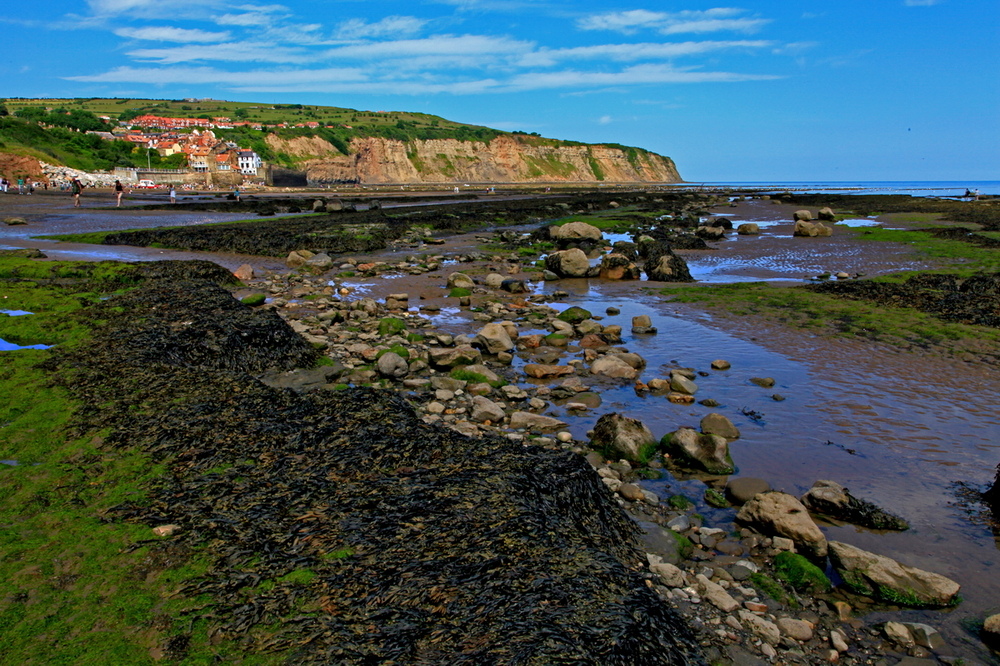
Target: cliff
point(505, 159)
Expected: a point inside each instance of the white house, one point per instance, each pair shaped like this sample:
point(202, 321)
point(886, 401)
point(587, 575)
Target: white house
point(248, 162)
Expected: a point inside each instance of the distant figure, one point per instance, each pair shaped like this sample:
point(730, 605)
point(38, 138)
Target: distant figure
point(20, 185)
point(173, 194)
point(236, 193)
point(4, 184)
point(77, 187)
point(119, 191)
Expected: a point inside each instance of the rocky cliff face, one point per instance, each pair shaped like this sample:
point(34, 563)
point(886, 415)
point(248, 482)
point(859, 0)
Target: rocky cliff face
point(506, 159)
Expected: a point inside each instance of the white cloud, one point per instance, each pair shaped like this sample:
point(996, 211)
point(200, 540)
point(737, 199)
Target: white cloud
point(442, 45)
point(637, 75)
point(169, 34)
point(389, 26)
point(232, 52)
point(921, 3)
point(211, 75)
point(671, 23)
point(644, 51)
point(605, 120)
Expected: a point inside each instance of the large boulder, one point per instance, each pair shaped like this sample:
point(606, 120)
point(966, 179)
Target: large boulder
point(623, 437)
point(886, 579)
point(297, 258)
point(748, 229)
point(613, 366)
point(667, 267)
point(493, 337)
point(803, 215)
point(811, 229)
point(717, 424)
point(710, 233)
point(460, 281)
point(392, 365)
point(834, 500)
point(780, 514)
point(617, 266)
point(575, 231)
point(827, 214)
point(484, 409)
point(692, 449)
point(568, 263)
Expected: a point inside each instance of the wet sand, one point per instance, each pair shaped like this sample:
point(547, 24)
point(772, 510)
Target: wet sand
point(899, 428)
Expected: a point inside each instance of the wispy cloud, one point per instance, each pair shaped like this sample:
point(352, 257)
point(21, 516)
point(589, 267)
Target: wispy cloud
point(232, 52)
point(921, 3)
point(390, 26)
point(211, 75)
point(632, 52)
point(718, 19)
point(170, 34)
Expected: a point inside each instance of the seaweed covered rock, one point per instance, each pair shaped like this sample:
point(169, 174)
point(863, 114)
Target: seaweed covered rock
point(699, 451)
point(623, 437)
point(834, 500)
point(661, 264)
point(405, 542)
point(615, 266)
point(884, 578)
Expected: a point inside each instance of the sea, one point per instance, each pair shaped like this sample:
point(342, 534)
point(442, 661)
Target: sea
point(917, 188)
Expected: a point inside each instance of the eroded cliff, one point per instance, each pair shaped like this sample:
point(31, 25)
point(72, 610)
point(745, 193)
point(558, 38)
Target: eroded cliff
point(505, 159)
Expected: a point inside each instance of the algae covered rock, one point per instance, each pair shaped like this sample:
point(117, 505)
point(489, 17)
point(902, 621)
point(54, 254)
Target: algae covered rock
point(834, 500)
point(623, 437)
point(690, 448)
point(885, 579)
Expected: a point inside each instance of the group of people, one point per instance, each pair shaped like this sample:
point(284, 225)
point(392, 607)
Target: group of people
point(24, 186)
point(76, 187)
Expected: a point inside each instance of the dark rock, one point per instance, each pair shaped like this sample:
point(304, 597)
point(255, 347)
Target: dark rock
point(834, 500)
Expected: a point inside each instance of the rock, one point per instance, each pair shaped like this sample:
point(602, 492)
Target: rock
point(991, 630)
point(631, 492)
point(716, 595)
point(514, 286)
point(826, 213)
point(667, 267)
point(717, 424)
point(542, 371)
point(799, 630)
point(484, 409)
point(613, 366)
point(14, 221)
point(925, 635)
point(744, 489)
point(748, 229)
point(575, 231)
point(297, 258)
point(494, 339)
point(460, 281)
point(617, 266)
point(392, 365)
point(839, 641)
point(710, 233)
point(623, 437)
point(682, 384)
point(449, 357)
point(320, 262)
point(780, 514)
point(803, 215)
point(572, 316)
point(670, 574)
point(834, 500)
point(886, 579)
point(244, 272)
point(535, 422)
point(811, 229)
point(568, 263)
point(707, 452)
point(720, 364)
point(766, 630)
point(166, 530)
point(763, 382)
point(898, 633)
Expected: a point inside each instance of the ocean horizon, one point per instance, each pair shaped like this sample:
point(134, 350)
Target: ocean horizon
point(919, 188)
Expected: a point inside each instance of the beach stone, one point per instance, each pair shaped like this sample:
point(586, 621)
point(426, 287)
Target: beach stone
point(765, 629)
point(392, 365)
point(707, 452)
point(667, 267)
point(804, 215)
point(898, 633)
point(748, 229)
point(320, 262)
point(568, 263)
point(799, 630)
point(484, 409)
point(571, 317)
point(670, 574)
point(682, 384)
point(449, 357)
point(811, 229)
point(710, 233)
point(721, 364)
point(991, 630)
point(717, 424)
point(780, 514)
point(613, 366)
point(460, 281)
point(763, 382)
point(535, 422)
point(641, 321)
point(716, 595)
point(622, 436)
point(493, 337)
point(925, 635)
point(297, 258)
point(839, 641)
point(514, 286)
point(617, 266)
point(544, 371)
point(493, 280)
point(826, 213)
point(592, 341)
point(834, 500)
point(631, 492)
point(744, 489)
point(244, 272)
point(884, 578)
point(575, 231)
point(166, 530)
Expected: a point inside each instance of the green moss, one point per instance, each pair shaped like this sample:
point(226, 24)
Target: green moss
point(574, 315)
point(398, 349)
point(254, 300)
point(800, 573)
point(679, 502)
point(714, 498)
point(388, 326)
point(769, 586)
point(298, 577)
point(340, 554)
point(466, 375)
point(414, 337)
point(459, 292)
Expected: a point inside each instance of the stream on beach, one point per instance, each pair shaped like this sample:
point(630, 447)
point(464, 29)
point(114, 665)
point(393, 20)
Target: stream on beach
point(900, 429)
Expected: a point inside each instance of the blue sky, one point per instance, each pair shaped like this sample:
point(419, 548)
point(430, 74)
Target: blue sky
point(807, 90)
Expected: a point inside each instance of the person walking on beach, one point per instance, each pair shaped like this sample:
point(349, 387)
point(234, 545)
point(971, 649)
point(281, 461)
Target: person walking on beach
point(20, 185)
point(173, 194)
point(77, 188)
point(236, 193)
point(4, 184)
point(119, 191)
